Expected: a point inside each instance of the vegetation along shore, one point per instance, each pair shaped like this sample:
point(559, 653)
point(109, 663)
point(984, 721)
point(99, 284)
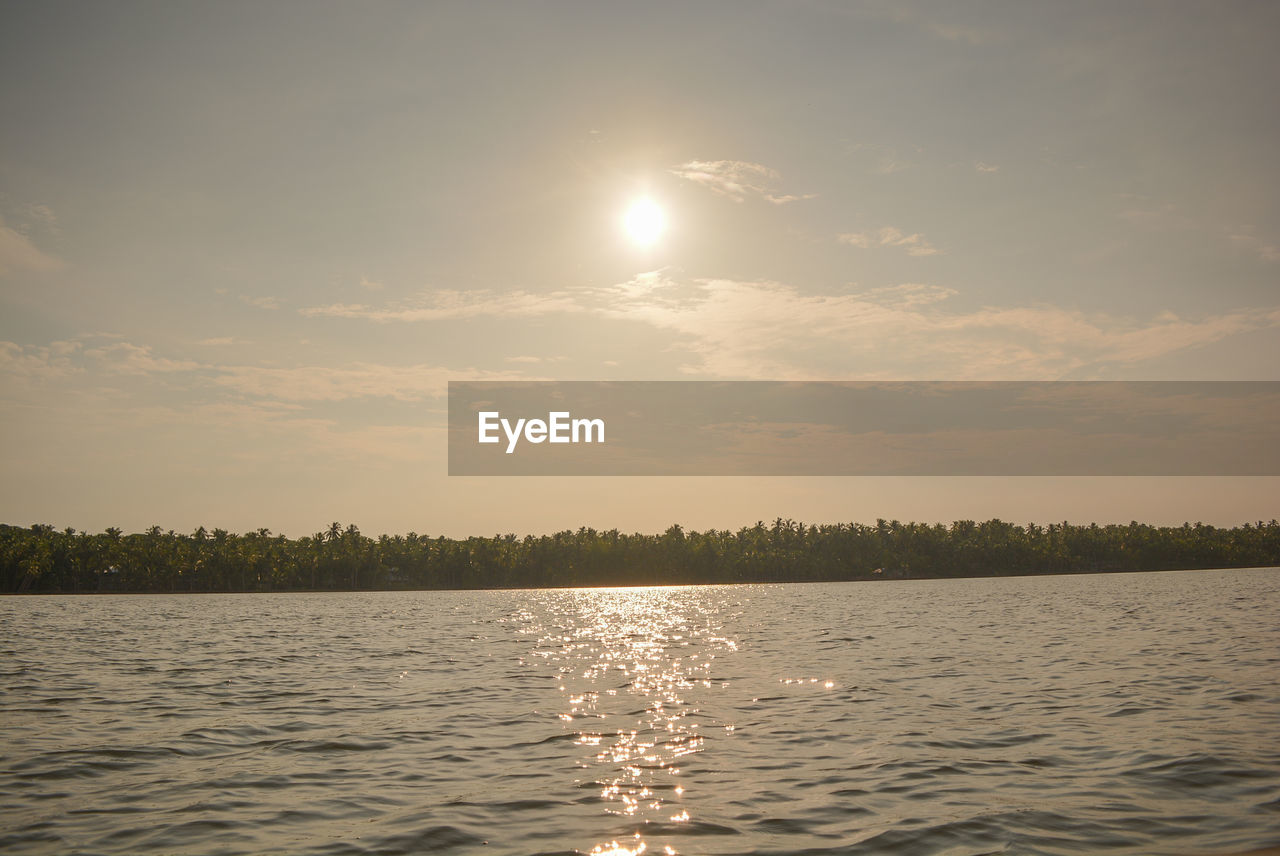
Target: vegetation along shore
point(42, 559)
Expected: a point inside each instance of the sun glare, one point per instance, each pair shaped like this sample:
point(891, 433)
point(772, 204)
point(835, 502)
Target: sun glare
point(644, 222)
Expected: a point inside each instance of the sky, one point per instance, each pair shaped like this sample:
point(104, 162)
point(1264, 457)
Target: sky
point(244, 246)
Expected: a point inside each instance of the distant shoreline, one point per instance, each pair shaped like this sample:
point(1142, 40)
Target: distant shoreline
point(918, 579)
point(43, 560)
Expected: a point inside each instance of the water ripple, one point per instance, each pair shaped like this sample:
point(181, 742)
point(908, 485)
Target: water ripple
point(1125, 714)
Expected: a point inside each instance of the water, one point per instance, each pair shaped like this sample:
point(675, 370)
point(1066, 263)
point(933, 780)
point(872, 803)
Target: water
point(1133, 713)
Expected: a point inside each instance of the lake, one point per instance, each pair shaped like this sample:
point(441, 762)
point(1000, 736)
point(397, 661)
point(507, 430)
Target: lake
point(1119, 713)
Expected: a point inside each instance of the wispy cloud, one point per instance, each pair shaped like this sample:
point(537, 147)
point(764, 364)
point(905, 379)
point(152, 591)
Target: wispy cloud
point(31, 366)
point(931, 20)
point(361, 380)
point(266, 302)
point(42, 216)
point(1245, 238)
point(888, 236)
point(775, 330)
point(125, 358)
point(886, 160)
point(1150, 216)
point(772, 330)
point(71, 357)
point(38, 363)
point(447, 305)
point(18, 253)
point(738, 180)
point(986, 167)
point(727, 328)
point(1153, 217)
point(530, 359)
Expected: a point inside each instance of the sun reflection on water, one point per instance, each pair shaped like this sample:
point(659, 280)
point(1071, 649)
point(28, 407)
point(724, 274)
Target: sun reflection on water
point(627, 668)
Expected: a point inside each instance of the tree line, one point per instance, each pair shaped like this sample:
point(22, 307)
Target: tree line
point(41, 558)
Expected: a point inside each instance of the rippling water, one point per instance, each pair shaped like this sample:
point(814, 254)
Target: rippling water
point(1133, 713)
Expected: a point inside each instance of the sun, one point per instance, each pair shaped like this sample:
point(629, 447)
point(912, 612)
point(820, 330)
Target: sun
point(644, 222)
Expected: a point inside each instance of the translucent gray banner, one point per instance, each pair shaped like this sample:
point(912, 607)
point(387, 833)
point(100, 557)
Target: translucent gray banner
point(768, 428)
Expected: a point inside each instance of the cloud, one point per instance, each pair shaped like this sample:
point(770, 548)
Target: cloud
point(370, 284)
point(66, 358)
point(1151, 217)
point(1144, 214)
point(931, 20)
point(361, 380)
point(26, 363)
point(17, 253)
point(1245, 239)
point(986, 167)
point(222, 340)
point(909, 294)
point(124, 358)
point(737, 180)
point(59, 361)
point(448, 305)
point(768, 329)
point(525, 358)
point(772, 330)
point(1168, 217)
point(43, 215)
point(887, 159)
point(261, 302)
point(888, 236)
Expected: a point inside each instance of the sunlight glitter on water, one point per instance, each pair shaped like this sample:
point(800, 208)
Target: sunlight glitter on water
point(613, 848)
point(850, 719)
point(624, 675)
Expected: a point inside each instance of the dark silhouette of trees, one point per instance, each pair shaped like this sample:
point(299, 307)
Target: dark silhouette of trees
point(41, 558)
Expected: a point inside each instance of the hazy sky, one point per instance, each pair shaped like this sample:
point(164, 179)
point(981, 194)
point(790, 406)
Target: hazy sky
point(244, 246)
